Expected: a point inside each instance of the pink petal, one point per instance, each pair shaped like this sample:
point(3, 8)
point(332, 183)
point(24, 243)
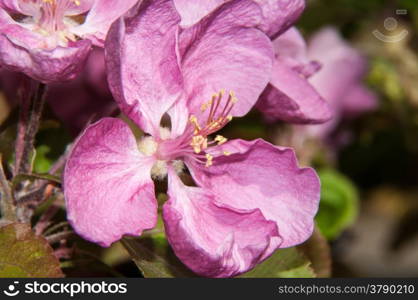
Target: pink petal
point(212, 239)
point(292, 50)
point(85, 99)
point(141, 52)
point(5, 19)
point(192, 12)
point(222, 51)
point(336, 57)
point(101, 15)
point(10, 5)
point(279, 15)
point(258, 175)
point(19, 51)
point(107, 184)
point(291, 98)
point(82, 7)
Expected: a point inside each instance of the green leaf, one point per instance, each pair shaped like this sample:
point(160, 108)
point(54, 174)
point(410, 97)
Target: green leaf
point(23, 254)
point(284, 263)
point(338, 208)
point(34, 176)
point(42, 163)
point(154, 257)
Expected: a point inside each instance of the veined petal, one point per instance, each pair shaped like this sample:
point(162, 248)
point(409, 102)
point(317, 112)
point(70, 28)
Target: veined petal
point(192, 12)
point(258, 175)
point(10, 5)
point(292, 50)
point(18, 52)
point(291, 98)
point(101, 15)
point(107, 184)
point(81, 7)
point(224, 52)
point(212, 239)
point(141, 52)
point(279, 15)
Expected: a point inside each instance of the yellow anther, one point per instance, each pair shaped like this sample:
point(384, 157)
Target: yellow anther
point(77, 2)
point(206, 105)
point(215, 124)
point(229, 118)
point(199, 143)
point(221, 93)
point(209, 159)
point(220, 139)
point(193, 120)
point(227, 153)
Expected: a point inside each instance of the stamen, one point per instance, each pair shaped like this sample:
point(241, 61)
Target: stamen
point(209, 159)
point(227, 153)
point(193, 120)
point(215, 121)
point(220, 139)
point(199, 143)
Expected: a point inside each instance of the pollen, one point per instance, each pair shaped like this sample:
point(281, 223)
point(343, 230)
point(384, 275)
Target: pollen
point(209, 160)
point(199, 143)
point(159, 170)
point(218, 110)
point(147, 145)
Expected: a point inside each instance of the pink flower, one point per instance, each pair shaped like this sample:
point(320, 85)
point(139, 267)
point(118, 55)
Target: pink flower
point(290, 96)
point(250, 198)
point(346, 93)
point(74, 103)
point(49, 40)
point(277, 15)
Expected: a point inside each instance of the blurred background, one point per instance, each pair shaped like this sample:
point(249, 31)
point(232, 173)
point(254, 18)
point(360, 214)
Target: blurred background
point(379, 162)
point(368, 161)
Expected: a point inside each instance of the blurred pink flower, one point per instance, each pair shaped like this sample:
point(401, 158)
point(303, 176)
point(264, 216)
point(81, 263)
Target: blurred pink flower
point(250, 198)
point(290, 96)
point(340, 80)
point(49, 40)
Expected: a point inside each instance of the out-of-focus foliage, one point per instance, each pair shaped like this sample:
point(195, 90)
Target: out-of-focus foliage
point(339, 203)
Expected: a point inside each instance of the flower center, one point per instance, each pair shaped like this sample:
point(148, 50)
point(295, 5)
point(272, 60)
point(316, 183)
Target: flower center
point(148, 145)
point(53, 13)
point(218, 117)
point(49, 18)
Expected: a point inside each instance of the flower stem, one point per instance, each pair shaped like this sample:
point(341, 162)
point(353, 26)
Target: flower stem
point(33, 100)
point(7, 207)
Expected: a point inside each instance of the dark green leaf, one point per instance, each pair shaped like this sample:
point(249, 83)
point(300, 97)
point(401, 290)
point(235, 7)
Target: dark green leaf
point(23, 254)
point(284, 263)
point(154, 257)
